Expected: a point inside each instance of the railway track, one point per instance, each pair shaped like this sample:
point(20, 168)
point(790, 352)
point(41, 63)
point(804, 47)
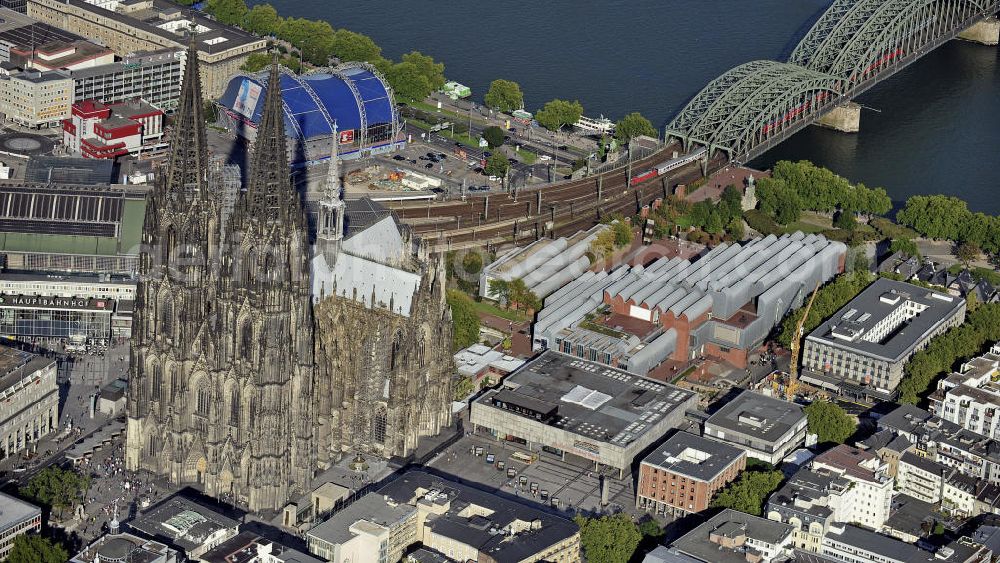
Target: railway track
point(560, 209)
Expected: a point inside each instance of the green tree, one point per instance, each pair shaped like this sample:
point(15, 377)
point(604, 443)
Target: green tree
point(350, 46)
point(906, 246)
point(313, 39)
point(504, 95)
point(608, 539)
point(494, 136)
point(500, 290)
point(829, 299)
point(935, 216)
point(497, 165)
point(57, 488)
point(256, 62)
point(229, 12)
point(472, 263)
point(829, 422)
point(557, 113)
point(735, 229)
point(263, 19)
point(968, 252)
point(463, 387)
point(749, 492)
point(433, 71)
point(521, 296)
point(32, 548)
point(464, 318)
point(845, 220)
point(407, 82)
point(633, 125)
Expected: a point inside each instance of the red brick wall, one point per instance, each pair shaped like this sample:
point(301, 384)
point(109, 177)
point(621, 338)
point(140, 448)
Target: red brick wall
point(734, 356)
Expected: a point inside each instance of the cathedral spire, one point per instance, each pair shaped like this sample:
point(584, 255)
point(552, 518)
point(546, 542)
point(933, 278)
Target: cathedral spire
point(187, 167)
point(270, 195)
point(330, 230)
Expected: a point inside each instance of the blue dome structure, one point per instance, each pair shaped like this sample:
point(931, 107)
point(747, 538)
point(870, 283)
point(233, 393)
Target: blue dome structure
point(352, 99)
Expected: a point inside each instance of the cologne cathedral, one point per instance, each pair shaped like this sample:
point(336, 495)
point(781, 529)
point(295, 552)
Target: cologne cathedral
point(266, 350)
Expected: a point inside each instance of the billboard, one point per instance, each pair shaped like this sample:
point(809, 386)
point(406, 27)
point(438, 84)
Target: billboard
point(246, 98)
point(347, 137)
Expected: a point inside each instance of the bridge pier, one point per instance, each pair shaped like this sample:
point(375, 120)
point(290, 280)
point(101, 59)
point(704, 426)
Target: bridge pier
point(985, 32)
point(845, 118)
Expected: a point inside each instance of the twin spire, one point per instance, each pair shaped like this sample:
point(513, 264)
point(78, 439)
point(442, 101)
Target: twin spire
point(187, 167)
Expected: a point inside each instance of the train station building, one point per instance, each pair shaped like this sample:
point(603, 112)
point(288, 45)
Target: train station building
point(581, 410)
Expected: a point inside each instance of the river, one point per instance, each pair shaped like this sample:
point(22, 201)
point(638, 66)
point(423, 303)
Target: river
point(933, 128)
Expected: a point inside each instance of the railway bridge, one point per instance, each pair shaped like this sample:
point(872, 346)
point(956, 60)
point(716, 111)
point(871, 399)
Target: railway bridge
point(854, 45)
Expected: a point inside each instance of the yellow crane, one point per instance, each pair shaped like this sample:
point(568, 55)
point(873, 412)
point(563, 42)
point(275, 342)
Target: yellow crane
point(793, 363)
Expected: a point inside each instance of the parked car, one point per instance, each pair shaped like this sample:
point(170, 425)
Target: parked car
point(429, 165)
point(398, 157)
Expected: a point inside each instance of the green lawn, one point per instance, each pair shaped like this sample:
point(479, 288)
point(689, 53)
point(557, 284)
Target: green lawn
point(527, 157)
point(455, 116)
point(805, 227)
point(488, 308)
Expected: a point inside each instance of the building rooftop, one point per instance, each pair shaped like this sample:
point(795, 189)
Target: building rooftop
point(181, 522)
point(908, 515)
point(124, 547)
point(586, 398)
point(69, 170)
point(693, 456)
point(732, 525)
point(854, 462)
point(245, 546)
point(755, 415)
point(477, 358)
point(511, 532)
point(16, 366)
point(370, 508)
point(877, 543)
point(887, 319)
point(13, 511)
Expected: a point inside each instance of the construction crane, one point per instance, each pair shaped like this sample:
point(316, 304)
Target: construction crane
point(793, 363)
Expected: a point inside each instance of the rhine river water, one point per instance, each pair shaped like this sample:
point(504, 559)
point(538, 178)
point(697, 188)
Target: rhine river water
point(933, 128)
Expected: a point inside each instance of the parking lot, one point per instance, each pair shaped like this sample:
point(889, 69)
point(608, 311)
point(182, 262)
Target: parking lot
point(566, 486)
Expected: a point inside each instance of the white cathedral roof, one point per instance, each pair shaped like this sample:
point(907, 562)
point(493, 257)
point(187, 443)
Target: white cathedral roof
point(381, 242)
point(366, 281)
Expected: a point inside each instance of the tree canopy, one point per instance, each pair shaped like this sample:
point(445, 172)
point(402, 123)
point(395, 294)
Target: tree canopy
point(557, 113)
point(263, 19)
point(57, 488)
point(633, 125)
point(464, 318)
point(829, 299)
point(504, 95)
point(494, 136)
point(314, 39)
point(32, 548)
point(229, 12)
point(945, 350)
point(968, 252)
point(351, 46)
point(425, 64)
point(749, 492)
point(497, 165)
point(407, 82)
point(829, 422)
point(608, 539)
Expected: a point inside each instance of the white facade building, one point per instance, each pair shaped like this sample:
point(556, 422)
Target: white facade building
point(29, 400)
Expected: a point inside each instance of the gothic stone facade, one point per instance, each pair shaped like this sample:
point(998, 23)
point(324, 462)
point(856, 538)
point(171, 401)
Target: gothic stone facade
point(225, 390)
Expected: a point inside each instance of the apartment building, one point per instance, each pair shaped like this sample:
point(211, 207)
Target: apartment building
point(970, 397)
point(29, 400)
point(35, 99)
point(765, 428)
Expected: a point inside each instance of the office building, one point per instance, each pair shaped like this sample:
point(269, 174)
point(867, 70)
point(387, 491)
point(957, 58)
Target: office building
point(862, 348)
point(96, 130)
point(767, 429)
point(852, 544)
point(869, 495)
point(970, 397)
point(734, 537)
point(151, 76)
point(36, 99)
point(16, 517)
point(681, 475)
point(722, 305)
point(581, 410)
point(133, 26)
point(29, 400)
point(460, 522)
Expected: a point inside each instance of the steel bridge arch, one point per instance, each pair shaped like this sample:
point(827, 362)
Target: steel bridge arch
point(751, 103)
point(856, 39)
